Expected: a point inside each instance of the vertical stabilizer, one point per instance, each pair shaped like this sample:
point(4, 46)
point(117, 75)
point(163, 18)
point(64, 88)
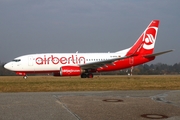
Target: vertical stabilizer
point(146, 42)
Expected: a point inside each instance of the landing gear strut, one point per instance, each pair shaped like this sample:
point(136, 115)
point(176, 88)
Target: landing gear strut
point(87, 75)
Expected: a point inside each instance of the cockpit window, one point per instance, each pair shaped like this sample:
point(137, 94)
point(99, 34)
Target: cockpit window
point(16, 60)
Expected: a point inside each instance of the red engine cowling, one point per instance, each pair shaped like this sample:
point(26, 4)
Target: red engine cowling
point(70, 71)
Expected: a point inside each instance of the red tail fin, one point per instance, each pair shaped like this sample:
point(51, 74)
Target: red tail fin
point(145, 43)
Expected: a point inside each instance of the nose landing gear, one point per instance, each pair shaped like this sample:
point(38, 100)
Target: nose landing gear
point(25, 77)
point(22, 74)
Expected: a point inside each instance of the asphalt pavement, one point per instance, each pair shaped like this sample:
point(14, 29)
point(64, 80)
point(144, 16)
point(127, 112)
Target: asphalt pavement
point(94, 105)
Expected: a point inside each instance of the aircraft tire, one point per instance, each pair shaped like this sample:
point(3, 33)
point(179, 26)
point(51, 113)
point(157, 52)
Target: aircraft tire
point(90, 75)
point(83, 75)
point(25, 77)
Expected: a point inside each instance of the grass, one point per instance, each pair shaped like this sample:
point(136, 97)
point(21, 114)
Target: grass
point(53, 84)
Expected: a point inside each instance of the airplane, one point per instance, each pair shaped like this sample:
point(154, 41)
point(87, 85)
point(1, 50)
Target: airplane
point(85, 64)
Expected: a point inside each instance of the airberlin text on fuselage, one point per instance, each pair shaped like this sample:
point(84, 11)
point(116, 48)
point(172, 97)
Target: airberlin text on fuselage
point(73, 59)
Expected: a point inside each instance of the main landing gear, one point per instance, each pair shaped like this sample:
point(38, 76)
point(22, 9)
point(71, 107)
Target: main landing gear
point(87, 75)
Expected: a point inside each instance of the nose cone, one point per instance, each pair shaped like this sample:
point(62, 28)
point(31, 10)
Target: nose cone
point(8, 66)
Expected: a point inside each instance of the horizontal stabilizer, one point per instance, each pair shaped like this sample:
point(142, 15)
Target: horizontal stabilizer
point(157, 54)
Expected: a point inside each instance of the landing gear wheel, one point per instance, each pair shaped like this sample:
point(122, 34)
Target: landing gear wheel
point(83, 75)
point(25, 77)
point(90, 75)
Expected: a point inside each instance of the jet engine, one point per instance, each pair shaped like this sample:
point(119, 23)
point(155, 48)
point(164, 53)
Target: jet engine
point(69, 71)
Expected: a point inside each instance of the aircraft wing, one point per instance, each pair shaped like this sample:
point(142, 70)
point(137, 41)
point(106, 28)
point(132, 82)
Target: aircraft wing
point(98, 64)
point(159, 53)
point(95, 65)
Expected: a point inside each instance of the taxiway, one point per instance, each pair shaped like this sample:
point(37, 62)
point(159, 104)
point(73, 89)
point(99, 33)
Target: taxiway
point(101, 105)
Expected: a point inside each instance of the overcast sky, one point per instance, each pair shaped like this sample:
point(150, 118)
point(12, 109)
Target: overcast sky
point(40, 26)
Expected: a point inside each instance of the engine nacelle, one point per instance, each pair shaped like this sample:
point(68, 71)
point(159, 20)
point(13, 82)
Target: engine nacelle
point(70, 71)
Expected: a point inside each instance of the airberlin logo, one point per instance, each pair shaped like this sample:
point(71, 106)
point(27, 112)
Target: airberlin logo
point(73, 59)
point(149, 38)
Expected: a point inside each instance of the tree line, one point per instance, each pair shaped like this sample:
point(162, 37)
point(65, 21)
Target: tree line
point(152, 69)
point(144, 69)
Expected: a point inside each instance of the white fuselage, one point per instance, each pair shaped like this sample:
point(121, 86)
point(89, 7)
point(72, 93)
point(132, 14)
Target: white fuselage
point(53, 61)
